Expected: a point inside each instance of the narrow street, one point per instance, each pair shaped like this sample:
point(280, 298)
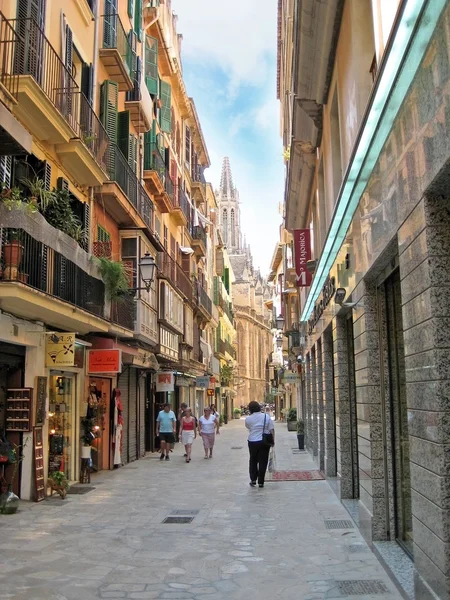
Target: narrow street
point(243, 543)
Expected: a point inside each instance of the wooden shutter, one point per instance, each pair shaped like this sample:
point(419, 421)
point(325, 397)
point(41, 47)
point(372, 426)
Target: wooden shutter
point(5, 170)
point(62, 184)
point(131, 8)
point(133, 152)
point(123, 132)
point(165, 118)
point(109, 93)
point(68, 57)
point(173, 176)
point(138, 19)
point(110, 24)
point(28, 57)
point(85, 244)
point(48, 176)
point(151, 65)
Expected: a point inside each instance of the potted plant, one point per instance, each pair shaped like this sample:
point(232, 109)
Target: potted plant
point(87, 437)
point(12, 254)
point(58, 482)
point(237, 413)
point(9, 502)
point(40, 196)
point(301, 434)
point(292, 419)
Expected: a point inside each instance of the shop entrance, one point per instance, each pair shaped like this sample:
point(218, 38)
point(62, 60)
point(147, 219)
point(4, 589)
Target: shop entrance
point(63, 443)
point(352, 407)
point(100, 390)
point(395, 412)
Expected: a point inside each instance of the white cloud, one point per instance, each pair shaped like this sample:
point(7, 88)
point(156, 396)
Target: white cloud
point(237, 35)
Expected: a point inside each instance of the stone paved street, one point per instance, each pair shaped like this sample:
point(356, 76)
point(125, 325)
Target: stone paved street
point(243, 543)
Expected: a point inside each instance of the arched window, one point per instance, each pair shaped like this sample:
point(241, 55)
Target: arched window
point(233, 229)
point(225, 225)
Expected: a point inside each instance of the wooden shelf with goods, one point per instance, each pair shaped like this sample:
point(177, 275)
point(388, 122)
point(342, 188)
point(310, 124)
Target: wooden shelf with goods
point(19, 400)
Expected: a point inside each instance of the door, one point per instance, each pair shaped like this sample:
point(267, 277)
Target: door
point(101, 455)
point(352, 401)
point(396, 412)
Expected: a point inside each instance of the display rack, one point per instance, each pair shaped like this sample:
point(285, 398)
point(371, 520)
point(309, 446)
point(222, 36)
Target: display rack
point(39, 480)
point(19, 415)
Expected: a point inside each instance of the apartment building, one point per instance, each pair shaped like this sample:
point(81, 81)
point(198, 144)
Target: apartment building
point(107, 233)
point(363, 89)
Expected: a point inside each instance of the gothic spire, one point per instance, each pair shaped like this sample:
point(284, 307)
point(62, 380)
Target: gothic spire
point(226, 180)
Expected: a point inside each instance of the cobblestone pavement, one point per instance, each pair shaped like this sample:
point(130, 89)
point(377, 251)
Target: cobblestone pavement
point(243, 543)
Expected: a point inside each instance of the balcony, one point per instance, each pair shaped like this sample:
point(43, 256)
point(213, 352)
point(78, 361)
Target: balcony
point(221, 298)
point(39, 282)
point(169, 269)
point(139, 104)
point(124, 198)
point(49, 101)
point(229, 349)
point(198, 186)
point(181, 208)
point(154, 169)
point(123, 312)
point(198, 235)
point(202, 300)
point(116, 52)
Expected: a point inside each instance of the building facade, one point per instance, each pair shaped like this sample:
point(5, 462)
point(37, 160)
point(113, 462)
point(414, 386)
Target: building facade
point(249, 292)
point(102, 161)
point(363, 88)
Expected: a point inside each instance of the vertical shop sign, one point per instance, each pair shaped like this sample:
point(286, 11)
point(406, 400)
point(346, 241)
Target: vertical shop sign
point(302, 254)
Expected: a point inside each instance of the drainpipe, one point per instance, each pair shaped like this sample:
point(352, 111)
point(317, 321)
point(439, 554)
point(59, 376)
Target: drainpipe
point(96, 52)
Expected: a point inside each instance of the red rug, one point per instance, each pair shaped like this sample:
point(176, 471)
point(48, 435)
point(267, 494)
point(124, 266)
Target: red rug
point(295, 476)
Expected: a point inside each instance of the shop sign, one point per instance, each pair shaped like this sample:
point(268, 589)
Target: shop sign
point(202, 382)
point(302, 253)
point(59, 350)
point(182, 382)
point(291, 377)
point(210, 392)
point(328, 292)
point(105, 361)
point(165, 381)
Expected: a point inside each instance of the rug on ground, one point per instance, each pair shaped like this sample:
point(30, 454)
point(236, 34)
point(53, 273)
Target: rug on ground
point(295, 476)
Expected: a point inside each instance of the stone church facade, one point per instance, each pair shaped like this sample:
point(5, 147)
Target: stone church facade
point(249, 291)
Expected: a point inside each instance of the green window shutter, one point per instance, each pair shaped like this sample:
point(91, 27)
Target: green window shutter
point(133, 152)
point(216, 290)
point(123, 133)
point(138, 19)
point(165, 113)
point(130, 8)
point(109, 94)
point(151, 65)
point(149, 143)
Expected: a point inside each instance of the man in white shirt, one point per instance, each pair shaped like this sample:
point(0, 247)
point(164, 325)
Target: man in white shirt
point(258, 423)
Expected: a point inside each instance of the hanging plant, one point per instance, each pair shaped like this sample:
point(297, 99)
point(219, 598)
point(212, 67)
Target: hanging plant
point(61, 216)
point(12, 198)
point(116, 277)
point(40, 195)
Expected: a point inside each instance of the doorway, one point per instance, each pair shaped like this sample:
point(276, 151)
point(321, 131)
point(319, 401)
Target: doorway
point(395, 412)
point(102, 457)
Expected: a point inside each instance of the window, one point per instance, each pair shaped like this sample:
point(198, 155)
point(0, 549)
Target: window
point(187, 146)
point(225, 225)
point(233, 229)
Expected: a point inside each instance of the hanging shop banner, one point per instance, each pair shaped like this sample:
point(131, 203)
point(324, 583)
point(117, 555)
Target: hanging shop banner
point(59, 349)
point(291, 378)
point(202, 382)
point(105, 361)
point(302, 254)
point(165, 381)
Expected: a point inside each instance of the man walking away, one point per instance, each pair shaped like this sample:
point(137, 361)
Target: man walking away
point(166, 424)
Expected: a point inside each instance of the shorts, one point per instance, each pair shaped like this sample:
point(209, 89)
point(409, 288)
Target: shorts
point(169, 438)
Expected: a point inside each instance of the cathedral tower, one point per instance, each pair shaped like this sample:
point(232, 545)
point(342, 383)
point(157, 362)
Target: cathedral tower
point(229, 213)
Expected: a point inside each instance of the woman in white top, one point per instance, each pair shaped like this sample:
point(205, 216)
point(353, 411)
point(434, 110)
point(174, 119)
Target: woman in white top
point(208, 426)
point(258, 423)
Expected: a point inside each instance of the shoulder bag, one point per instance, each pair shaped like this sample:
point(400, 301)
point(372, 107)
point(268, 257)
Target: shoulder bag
point(267, 438)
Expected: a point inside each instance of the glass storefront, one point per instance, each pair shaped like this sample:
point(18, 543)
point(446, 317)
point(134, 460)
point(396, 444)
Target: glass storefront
point(62, 423)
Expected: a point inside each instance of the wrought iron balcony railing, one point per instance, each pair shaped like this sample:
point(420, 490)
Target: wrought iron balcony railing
point(153, 161)
point(197, 175)
point(183, 203)
point(170, 269)
point(115, 37)
point(31, 262)
point(9, 78)
point(168, 185)
point(198, 233)
point(123, 311)
point(202, 297)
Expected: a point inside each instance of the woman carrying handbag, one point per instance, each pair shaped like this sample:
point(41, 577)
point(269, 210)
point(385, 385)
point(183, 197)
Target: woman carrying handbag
point(261, 438)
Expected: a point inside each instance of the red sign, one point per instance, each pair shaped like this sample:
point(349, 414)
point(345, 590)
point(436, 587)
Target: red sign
point(302, 253)
point(105, 361)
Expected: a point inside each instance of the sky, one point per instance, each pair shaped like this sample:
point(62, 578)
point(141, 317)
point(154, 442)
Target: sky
point(229, 67)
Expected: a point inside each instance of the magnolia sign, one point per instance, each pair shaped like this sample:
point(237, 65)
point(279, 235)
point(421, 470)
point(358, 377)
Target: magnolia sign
point(302, 254)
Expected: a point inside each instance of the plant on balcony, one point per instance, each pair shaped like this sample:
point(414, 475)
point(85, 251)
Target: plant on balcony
point(61, 216)
point(226, 373)
point(12, 198)
point(40, 195)
point(116, 277)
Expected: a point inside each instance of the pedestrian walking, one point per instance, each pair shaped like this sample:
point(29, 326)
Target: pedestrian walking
point(259, 424)
point(214, 411)
point(208, 426)
point(166, 424)
point(188, 432)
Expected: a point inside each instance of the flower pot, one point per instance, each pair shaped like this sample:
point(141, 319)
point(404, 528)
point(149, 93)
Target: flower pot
point(12, 256)
point(301, 441)
point(85, 451)
point(292, 425)
point(237, 415)
point(9, 503)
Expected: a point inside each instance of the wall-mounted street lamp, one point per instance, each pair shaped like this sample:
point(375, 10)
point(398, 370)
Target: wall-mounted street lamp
point(280, 321)
point(279, 342)
point(146, 269)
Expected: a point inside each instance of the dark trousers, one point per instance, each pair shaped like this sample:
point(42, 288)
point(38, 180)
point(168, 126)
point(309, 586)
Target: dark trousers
point(259, 457)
